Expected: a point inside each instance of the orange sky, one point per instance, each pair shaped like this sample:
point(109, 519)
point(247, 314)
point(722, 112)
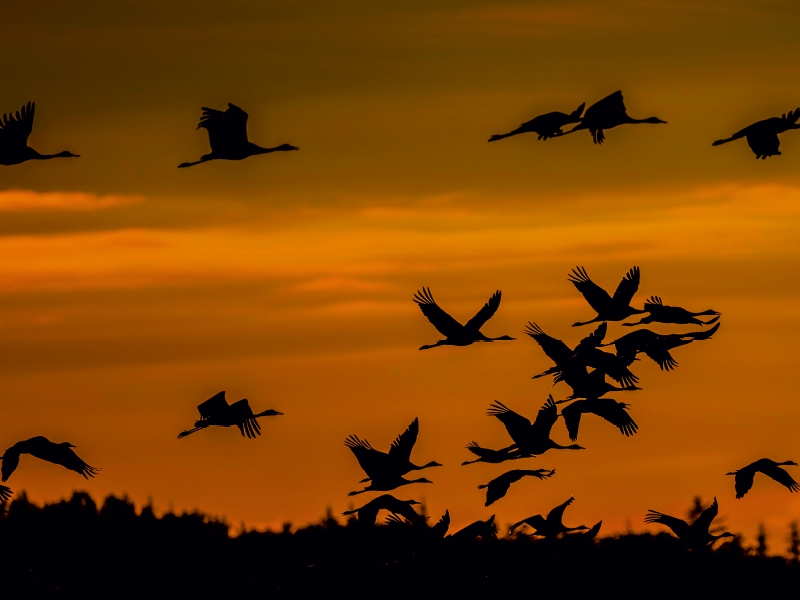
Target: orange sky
point(130, 290)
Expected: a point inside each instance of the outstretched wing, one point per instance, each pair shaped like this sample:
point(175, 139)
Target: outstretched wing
point(743, 481)
point(5, 493)
point(444, 323)
point(442, 525)
point(596, 296)
point(402, 446)
point(214, 406)
point(572, 418)
point(545, 419)
point(557, 514)
point(485, 313)
point(627, 287)
point(615, 413)
point(679, 526)
point(556, 350)
point(610, 364)
point(661, 356)
point(516, 425)
point(242, 415)
point(701, 335)
point(781, 476)
point(15, 129)
point(613, 103)
point(227, 131)
point(372, 461)
point(594, 339)
point(764, 144)
point(703, 522)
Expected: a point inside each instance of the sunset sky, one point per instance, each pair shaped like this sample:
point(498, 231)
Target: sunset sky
point(131, 291)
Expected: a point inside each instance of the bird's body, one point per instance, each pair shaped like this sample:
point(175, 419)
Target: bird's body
point(489, 455)
point(546, 126)
point(697, 534)
point(530, 438)
point(368, 513)
point(217, 412)
point(227, 135)
point(14, 133)
point(656, 346)
point(486, 530)
point(40, 447)
point(658, 312)
point(552, 525)
point(608, 113)
point(612, 411)
point(455, 333)
point(608, 308)
point(744, 476)
point(762, 137)
point(498, 487)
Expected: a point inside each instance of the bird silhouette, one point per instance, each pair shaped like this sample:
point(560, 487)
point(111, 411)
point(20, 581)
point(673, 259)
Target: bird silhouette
point(395, 463)
point(608, 308)
point(217, 412)
point(368, 513)
point(744, 476)
point(434, 532)
point(612, 411)
point(498, 487)
point(227, 135)
point(697, 534)
point(552, 525)
point(656, 346)
point(386, 482)
point(486, 530)
point(5, 493)
point(455, 333)
point(547, 125)
point(605, 114)
point(40, 447)
point(762, 136)
point(488, 455)
point(14, 133)
point(587, 384)
point(660, 313)
point(530, 438)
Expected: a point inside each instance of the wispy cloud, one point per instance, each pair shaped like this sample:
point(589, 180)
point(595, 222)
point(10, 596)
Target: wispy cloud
point(30, 200)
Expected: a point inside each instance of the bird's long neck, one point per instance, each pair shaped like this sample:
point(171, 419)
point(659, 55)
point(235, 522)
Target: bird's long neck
point(259, 150)
point(425, 466)
point(36, 156)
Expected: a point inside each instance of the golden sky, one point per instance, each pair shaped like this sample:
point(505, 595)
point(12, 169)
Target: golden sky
point(130, 290)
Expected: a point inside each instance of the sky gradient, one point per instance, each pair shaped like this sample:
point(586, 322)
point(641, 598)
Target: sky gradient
point(130, 291)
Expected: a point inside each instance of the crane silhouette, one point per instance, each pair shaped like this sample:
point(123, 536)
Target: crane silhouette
point(434, 532)
point(217, 412)
point(530, 438)
point(608, 308)
point(552, 525)
point(486, 530)
point(368, 513)
point(455, 333)
point(762, 136)
point(660, 313)
point(744, 476)
point(395, 463)
point(498, 487)
point(227, 135)
point(14, 133)
point(656, 346)
point(488, 455)
point(612, 411)
point(40, 447)
point(586, 354)
point(697, 534)
point(546, 126)
point(605, 114)
point(590, 385)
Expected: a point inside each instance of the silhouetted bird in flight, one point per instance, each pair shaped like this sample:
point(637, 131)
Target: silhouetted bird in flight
point(530, 438)
point(455, 333)
point(590, 385)
point(368, 513)
point(488, 455)
point(217, 412)
point(656, 346)
point(762, 137)
point(547, 125)
point(14, 133)
point(227, 135)
point(395, 463)
point(770, 468)
point(695, 535)
point(586, 354)
point(608, 308)
point(605, 114)
point(589, 534)
point(40, 447)
point(434, 532)
point(660, 313)
point(5, 493)
point(498, 487)
point(612, 411)
point(552, 525)
point(485, 530)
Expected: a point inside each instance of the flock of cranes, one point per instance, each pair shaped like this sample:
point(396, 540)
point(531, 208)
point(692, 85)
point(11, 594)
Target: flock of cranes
point(584, 368)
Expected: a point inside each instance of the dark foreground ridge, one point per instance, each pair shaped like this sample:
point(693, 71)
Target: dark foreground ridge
point(75, 548)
